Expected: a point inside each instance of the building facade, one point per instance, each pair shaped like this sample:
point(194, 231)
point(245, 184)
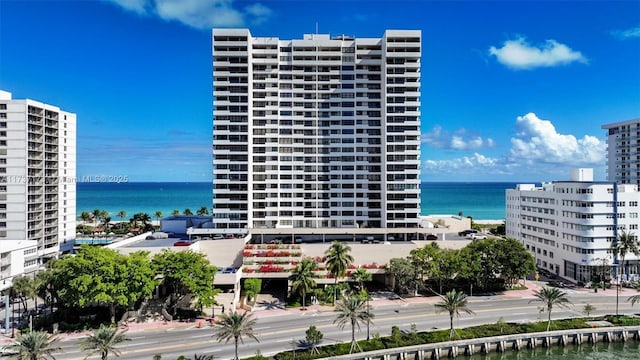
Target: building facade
point(318, 132)
point(569, 226)
point(623, 151)
point(37, 178)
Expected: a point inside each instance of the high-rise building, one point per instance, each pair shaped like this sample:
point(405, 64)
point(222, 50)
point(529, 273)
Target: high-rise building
point(37, 179)
point(569, 226)
point(319, 132)
point(623, 151)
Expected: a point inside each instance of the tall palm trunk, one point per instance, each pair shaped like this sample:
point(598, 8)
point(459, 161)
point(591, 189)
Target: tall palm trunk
point(304, 298)
point(335, 290)
point(549, 320)
point(451, 331)
point(236, 348)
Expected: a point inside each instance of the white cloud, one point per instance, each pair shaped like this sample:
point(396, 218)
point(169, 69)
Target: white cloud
point(459, 140)
point(200, 14)
point(520, 55)
point(537, 141)
point(627, 34)
point(537, 150)
point(477, 163)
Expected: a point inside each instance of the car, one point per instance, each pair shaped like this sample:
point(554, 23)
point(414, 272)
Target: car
point(217, 237)
point(558, 284)
point(432, 237)
point(298, 240)
point(182, 243)
point(467, 232)
point(475, 236)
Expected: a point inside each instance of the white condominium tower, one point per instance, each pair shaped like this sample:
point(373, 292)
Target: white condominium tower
point(37, 178)
point(317, 132)
point(569, 226)
point(623, 151)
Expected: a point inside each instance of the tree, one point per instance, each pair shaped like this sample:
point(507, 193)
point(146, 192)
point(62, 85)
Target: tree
point(236, 326)
point(252, 287)
point(403, 274)
point(203, 211)
point(338, 260)
point(97, 215)
point(158, 214)
point(85, 216)
point(97, 275)
point(447, 265)
point(453, 302)
point(187, 212)
point(424, 260)
point(550, 297)
point(122, 214)
point(187, 272)
point(353, 311)
point(141, 220)
point(175, 212)
point(361, 276)
point(479, 262)
point(314, 338)
point(588, 309)
point(23, 288)
point(103, 341)
point(34, 345)
point(302, 279)
point(514, 260)
point(627, 243)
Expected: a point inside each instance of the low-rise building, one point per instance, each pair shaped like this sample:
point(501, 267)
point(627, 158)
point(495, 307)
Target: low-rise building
point(17, 257)
point(570, 226)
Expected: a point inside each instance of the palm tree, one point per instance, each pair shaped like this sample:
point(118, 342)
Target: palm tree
point(187, 211)
point(85, 216)
point(302, 279)
point(97, 213)
point(203, 211)
point(550, 297)
point(361, 276)
point(338, 261)
point(625, 244)
point(453, 302)
point(175, 212)
point(103, 341)
point(34, 345)
point(122, 214)
point(352, 311)
point(158, 214)
point(235, 326)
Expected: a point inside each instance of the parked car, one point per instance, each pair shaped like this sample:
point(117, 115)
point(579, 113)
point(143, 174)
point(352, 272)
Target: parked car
point(182, 243)
point(476, 236)
point(558, 284)
point(467, 232)
point(432, 237)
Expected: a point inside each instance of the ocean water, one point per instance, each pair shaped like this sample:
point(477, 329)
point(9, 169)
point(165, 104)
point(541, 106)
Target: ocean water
point(481, 200)
point(600, 351)
point(146, 197)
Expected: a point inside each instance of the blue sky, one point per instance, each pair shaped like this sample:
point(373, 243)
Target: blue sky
point(511, 91)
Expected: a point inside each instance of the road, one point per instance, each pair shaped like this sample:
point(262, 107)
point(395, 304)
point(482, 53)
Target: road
point(284, 332)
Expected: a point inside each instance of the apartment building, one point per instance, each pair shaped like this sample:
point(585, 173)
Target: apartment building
point(623, 151)
point(318, 132)
point(569, 226)
point(37, 181)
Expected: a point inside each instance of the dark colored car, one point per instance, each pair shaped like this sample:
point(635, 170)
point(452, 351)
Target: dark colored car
point(467, 232)
point(558, 284)
point(432, 237)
